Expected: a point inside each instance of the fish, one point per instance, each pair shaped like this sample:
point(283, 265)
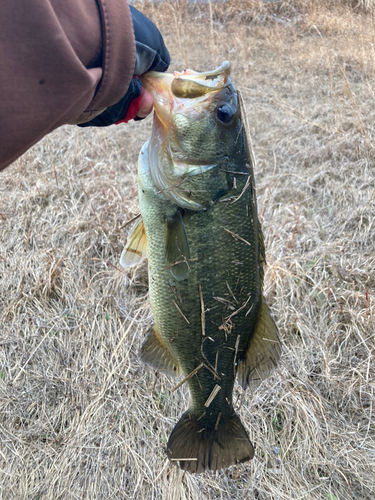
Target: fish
point(200, 231)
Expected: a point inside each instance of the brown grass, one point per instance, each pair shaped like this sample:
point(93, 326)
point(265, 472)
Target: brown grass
point(80, 417)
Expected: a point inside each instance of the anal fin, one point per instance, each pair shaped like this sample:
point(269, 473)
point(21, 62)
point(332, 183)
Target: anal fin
point(263, 351)
point(156, 353)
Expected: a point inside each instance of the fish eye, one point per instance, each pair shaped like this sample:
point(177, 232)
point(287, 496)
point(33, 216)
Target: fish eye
point(225, 113)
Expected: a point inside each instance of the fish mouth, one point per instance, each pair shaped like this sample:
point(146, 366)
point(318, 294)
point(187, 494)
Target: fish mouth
point(188, 90)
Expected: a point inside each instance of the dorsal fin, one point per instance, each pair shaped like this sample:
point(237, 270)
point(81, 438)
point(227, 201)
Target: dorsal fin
point(263, 351)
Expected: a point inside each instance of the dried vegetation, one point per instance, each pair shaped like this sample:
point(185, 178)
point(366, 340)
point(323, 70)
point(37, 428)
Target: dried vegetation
point(80, 417)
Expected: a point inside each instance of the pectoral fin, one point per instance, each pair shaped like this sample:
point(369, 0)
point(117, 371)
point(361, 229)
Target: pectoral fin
point(177, 248)
point(262, 353)
point(136, 246)
point(156, 353)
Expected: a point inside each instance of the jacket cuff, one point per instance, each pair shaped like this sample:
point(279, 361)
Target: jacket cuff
point(118, 56)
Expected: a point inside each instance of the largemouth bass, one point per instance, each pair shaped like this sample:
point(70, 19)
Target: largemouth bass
point(200, 231)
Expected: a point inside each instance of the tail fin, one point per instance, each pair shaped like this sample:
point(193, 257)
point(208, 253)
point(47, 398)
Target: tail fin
point(197, 447)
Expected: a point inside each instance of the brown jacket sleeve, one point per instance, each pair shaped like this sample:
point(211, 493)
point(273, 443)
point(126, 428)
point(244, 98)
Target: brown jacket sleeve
point(61, 61)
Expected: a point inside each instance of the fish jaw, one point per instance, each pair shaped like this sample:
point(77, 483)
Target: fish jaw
point(159, 86)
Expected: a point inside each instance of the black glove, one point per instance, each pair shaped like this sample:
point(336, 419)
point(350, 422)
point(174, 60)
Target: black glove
point(151, 54)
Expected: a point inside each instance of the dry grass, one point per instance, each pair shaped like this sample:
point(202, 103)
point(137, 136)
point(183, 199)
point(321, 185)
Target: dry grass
point(80, 417)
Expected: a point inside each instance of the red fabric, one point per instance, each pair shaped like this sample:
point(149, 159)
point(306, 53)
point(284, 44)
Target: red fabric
point(133, 108)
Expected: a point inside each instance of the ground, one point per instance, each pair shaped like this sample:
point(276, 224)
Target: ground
point(80, 416)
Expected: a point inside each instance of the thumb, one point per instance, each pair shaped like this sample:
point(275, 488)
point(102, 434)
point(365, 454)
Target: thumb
point(145, 106)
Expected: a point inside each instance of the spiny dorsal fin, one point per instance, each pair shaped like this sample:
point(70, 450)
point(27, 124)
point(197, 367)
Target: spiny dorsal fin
point(156, 353)
point(263, 351)
point(136, 246)
point(246, 126)
point(262, 251)
point(262, 254)
point(177, 248)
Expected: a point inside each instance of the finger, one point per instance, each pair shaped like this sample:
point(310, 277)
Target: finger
point(145, 107)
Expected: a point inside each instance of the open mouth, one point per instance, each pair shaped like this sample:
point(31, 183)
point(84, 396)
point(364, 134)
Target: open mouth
point(187, 90)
